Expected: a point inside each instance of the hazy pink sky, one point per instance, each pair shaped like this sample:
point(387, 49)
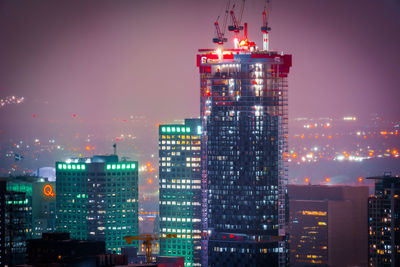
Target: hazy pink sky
point(108, 59)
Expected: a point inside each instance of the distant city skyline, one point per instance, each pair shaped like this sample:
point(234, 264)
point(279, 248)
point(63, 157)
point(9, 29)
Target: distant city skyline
point(94, 140)
point(104, 58)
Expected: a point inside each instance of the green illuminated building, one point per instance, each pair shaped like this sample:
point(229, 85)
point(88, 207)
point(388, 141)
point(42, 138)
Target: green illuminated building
point(180, 190)
point(97, 199)
point(40, 201)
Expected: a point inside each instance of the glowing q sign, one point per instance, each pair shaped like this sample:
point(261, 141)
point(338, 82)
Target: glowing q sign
point(48, 191)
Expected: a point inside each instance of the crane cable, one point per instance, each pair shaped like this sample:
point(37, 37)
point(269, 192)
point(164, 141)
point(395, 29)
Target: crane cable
point(225, 17)
point(241, 12)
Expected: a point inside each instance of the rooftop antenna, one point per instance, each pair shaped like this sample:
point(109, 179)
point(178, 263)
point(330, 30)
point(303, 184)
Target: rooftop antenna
point(115, 148)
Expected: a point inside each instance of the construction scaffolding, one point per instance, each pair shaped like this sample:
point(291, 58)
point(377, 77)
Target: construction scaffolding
point(244, 113)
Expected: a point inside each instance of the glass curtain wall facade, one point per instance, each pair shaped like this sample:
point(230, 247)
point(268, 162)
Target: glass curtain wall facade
point(244, 171)
point(384, 222)
point(13, 208)
point(180, 190)
point(97, 199)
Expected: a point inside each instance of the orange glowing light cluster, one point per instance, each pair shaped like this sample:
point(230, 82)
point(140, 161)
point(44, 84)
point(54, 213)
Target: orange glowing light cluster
point(149, 212)
point(313, 213)
point(246, 43)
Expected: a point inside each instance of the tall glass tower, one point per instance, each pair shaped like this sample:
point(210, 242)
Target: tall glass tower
point(97, 199)
point(244, 170)
point(180, 190)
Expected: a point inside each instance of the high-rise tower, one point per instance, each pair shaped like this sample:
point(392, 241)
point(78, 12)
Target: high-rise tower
point(97, 199)
point(180, 190)
point(244, 172)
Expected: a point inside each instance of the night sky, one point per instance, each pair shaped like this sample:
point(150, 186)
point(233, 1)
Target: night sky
point(103, 60)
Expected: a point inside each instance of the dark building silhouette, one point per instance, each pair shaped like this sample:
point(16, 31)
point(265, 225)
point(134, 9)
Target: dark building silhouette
point(58, 248)
point(244, 173)
point(384, 222)
point(328, 225)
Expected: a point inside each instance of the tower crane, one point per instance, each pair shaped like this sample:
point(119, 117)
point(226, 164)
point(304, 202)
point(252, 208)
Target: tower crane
point(236, 27)
point(148, 238)
point(265, 29)
point(220, 39)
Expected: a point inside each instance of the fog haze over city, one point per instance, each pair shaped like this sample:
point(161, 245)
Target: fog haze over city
point(85, 76)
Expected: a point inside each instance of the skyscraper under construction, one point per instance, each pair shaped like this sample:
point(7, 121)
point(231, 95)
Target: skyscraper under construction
point(244, 117)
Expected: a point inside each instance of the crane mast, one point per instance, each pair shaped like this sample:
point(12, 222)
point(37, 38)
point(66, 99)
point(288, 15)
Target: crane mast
point(265, 29)
point(220, 39)
point(236, 27)
point(220, 35)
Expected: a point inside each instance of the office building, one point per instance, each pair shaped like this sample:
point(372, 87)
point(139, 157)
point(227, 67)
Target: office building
point(384, 222)
point(97, 199)
point(327, 225)
point(244, 113)
point(180, 190)
point(40, 198)
point(13, 208)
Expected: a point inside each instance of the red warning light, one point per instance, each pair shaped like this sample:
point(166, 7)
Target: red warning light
point(74, 115)
point(34, 115)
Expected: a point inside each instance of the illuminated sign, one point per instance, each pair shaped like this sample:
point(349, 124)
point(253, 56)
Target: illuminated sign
point(48, 191)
